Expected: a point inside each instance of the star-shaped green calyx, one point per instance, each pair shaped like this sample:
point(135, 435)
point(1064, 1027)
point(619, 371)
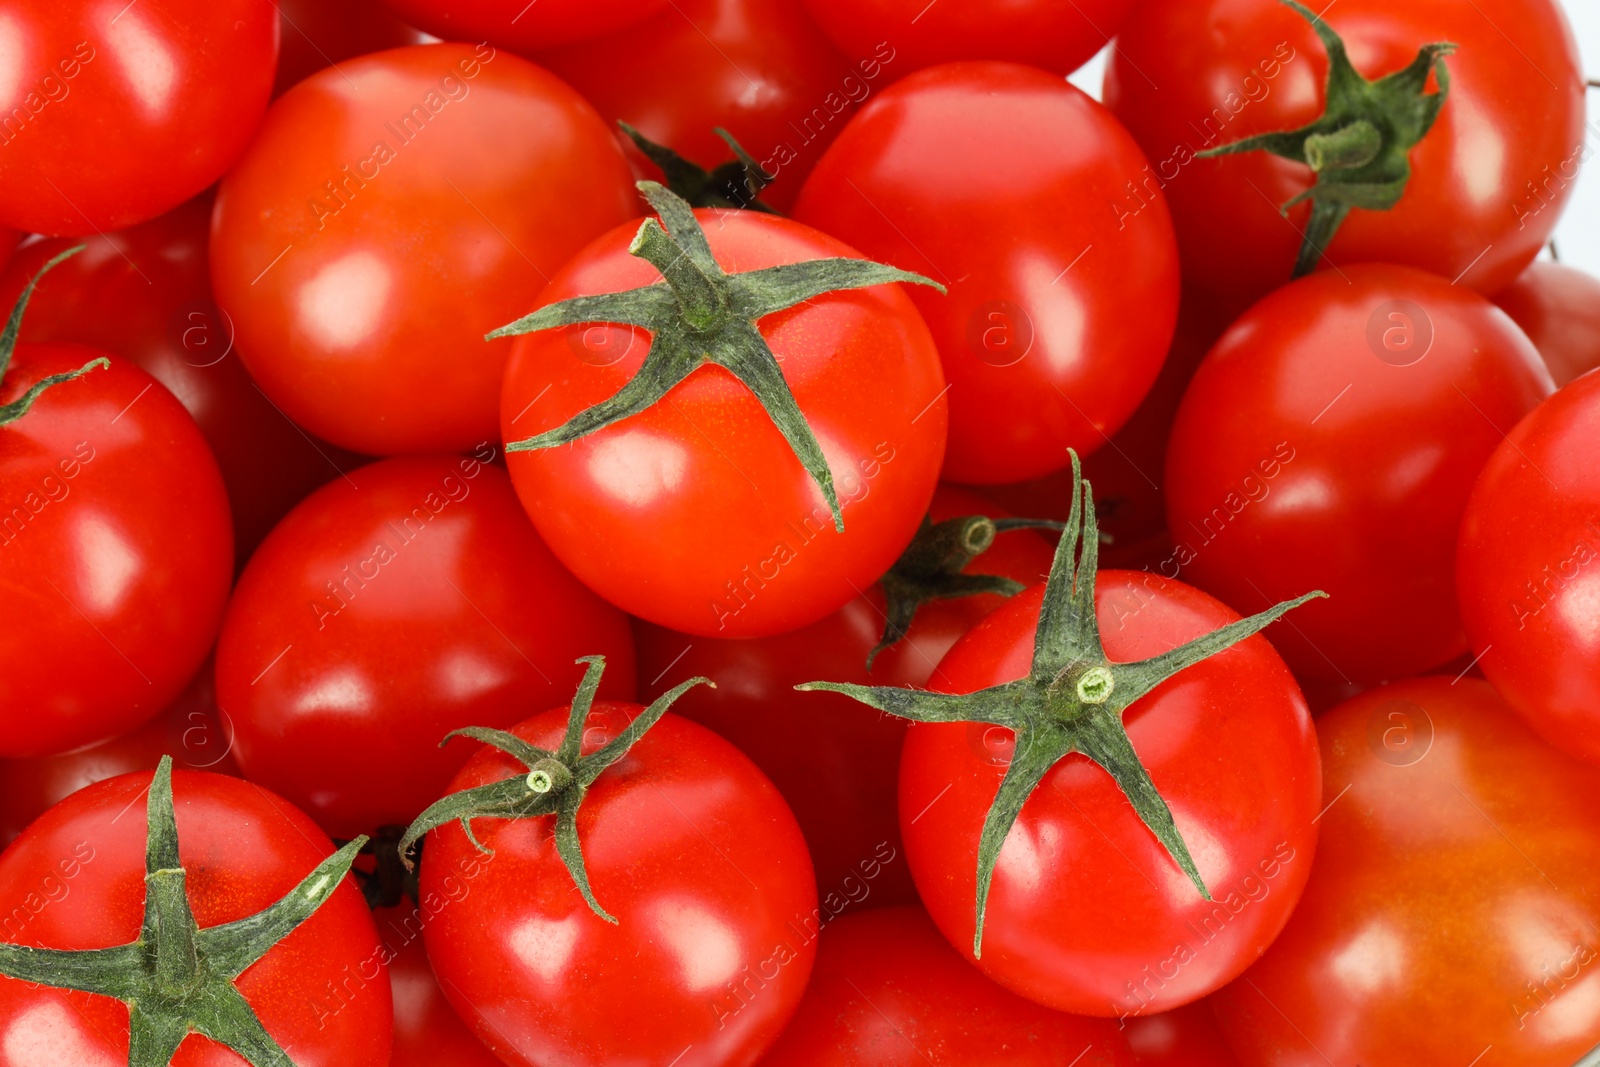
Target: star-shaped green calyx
point(555, 782)
point(13, 411)
point(1072, 700)
point(177, 979)
point(734, 184)
point(931, 568)
point(1361, 146)
point(703, 315)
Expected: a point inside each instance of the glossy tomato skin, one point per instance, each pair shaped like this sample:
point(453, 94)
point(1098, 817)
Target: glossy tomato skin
point(1183, 1037)
point(164, 97)
point(999, 181)
point(1528, 569)
point(427, 1030)
point(409, 599)
point(1087, 912)
point(1454, 902)
point(1558, 307)
point(1057, 37)
point(1329, 441)
point(696, 855)
point(316, 35)
point(144, 293)
point(75, 880)
point(889, 991)
point(835, 761)
point(1230, 69)
point(695, 514)
point(462, 178)
point(118, 552)
point(521, 26)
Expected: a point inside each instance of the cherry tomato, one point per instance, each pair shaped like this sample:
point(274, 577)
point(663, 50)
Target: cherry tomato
point(1052, 332)
point(1558, 307)
point(696, 855)
point(1329, 441)
point(1528, 569)
point(394, 605)
point(1088, 913)
point(1183, 1037)
point(75, 879)
point(1056, 37)
point(117, 546)
point(696, 513)
point(888, 991)
point(145, 293)
point(427, 1030)
point(390, 213)
point(1486, 184)
point(1455, 900)
point(521, 25)
point(316, 35)
point(116, 114)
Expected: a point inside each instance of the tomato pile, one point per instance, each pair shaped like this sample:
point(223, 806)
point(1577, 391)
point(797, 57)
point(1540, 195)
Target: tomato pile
point(751, 533)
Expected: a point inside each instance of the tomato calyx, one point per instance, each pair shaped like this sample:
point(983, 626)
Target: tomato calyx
point(177, 978)
point(1360, 147)
point(13, 411)
point(555, 783)
point(704, 316)
point(931, 568)
point(1072, 700)
point(734, 184)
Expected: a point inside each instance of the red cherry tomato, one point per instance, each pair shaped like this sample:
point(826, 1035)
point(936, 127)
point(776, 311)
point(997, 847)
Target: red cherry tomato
point(1229, 745)
point(1052, 332)
point(1329, 441)
point(117, 547)
point(1558, 307)
point(75, 880)
point(316, 35)
point(696, 855)
point(390, 213)
point(116, 114)
point(522, 25)
point(394, 605)
point(1455, 900)
point(1528, 570)
point(427, 1030)
point(145, 293)
point(1487, 182)
point(888, 991)
point(1183, 1037)
point(695, 513)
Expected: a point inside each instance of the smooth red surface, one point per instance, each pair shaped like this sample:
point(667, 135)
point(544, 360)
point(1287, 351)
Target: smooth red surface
point(522, 25)
point(1087, 911)
point(888, 991)
point(1558, 307)
point(1183, 1037)
point(696, 855)
point(144, 293)
point(1487, 183)
point(1528, 569)
point(391, 607)
point(361, 309)
point(996, 180)
point(1455, 899)
point(317, 34)
point(116, 113)
point(696, 514)
point(427, 1030)
point(117, 551)
point(75, 880)
point(1306, 456)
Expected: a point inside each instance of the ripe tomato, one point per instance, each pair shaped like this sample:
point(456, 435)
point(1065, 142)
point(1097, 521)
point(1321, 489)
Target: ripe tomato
point(427, 1030)
point(388, 215)
point(521, 25)
point(1486, 184)
point(888, 991)
point(164, 95)
point(316, 35)
point(1051, 334)
point(145, 293)
point(1057, 37)
point(1183, 1037)
point(1329, 441)
point(407, 599)
point(695, 854)
point(1088, 912)
point(76, 880)
point(1528, 570)
point(1455, 900)
point(1558, 308)
point(696, 513)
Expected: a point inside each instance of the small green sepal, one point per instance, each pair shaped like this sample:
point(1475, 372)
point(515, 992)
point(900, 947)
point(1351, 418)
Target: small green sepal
point(735, 184)
point(13, 411)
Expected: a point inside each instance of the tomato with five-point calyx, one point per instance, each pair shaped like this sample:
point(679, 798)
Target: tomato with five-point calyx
point(1003, 182)
point(522, 25)
point(1558, 307)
